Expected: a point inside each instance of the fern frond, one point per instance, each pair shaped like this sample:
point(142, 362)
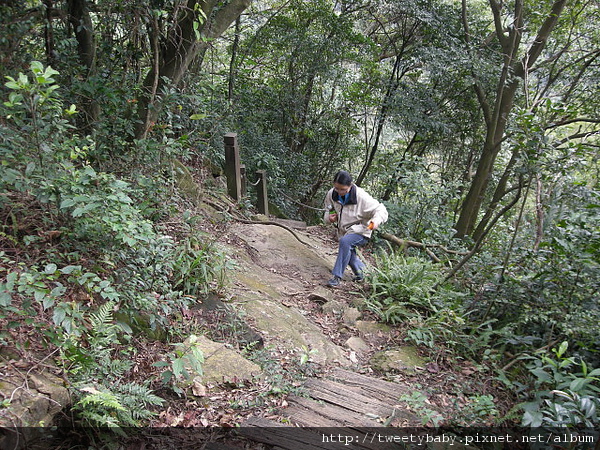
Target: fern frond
point(100, 399)
point(102, 317)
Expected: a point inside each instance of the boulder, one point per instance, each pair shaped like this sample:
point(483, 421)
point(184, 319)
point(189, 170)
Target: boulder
point(223, 364)
point(402, 359)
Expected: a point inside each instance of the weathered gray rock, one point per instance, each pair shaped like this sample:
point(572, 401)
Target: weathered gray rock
point(403, 359)
point(357, 344)
point(334, 308)
point(222, 364)
point(321, 295)
point(351, 315)
point(287, 327)
point(369, 327)
point(35, 402)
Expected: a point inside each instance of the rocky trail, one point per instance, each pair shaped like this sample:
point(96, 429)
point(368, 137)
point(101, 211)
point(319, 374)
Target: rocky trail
point(283, 351)
point(362, 368)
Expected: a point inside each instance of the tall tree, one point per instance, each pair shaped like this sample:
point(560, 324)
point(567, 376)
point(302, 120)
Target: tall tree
point(194, 24)
point(83, 28)
point(518, 59)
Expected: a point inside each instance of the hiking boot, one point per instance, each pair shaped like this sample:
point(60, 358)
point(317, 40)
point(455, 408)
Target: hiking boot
point(334, 282)
point(358, 277)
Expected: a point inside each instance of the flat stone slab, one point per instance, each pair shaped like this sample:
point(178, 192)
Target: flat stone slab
point(297, 224)
point(402, 359)
point(279, 250)
point(357, 344)
point(35, 401)
point(223, 364)
point(367, 327)
point(292, 331)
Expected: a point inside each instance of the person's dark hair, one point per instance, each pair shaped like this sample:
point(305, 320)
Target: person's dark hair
point(343, 178)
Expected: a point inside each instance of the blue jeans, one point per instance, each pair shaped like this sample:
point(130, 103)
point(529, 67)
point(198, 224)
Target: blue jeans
point(347, 254)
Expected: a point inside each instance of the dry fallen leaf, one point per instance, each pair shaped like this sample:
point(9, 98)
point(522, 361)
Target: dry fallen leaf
point(198, 389)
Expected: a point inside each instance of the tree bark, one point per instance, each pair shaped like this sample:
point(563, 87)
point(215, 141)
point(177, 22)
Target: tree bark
point(393, 84)
point(49, 33)
point(179, 48)
point(497, 111)
point(83, 28)
point(79, 17)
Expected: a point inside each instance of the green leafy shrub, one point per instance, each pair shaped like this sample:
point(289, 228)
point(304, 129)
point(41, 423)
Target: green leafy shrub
point(199, 267)
point(184, 364)
point(565, 392)
point(401, 287)
point(97, 366)
point(109, 267)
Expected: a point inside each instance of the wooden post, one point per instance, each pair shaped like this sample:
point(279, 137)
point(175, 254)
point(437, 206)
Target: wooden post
point(262, 198)
point(244, 179)
point(232, 166)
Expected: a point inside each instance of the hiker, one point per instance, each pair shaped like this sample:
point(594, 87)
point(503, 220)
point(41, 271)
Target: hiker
point(357, 214)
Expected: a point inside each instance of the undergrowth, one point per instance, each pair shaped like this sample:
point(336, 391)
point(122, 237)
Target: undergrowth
point(87, 264)
point(556, 390)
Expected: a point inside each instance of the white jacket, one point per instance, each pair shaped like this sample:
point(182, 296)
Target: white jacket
point(355, 215)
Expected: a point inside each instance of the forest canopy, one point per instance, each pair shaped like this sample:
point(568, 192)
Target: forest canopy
point(477, 123)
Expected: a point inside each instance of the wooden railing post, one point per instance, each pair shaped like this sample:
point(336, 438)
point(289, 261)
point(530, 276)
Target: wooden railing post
point(243, 179)
point(232, 166)
point(262, 197)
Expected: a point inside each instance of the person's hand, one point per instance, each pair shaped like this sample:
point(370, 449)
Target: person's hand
point(332, 218)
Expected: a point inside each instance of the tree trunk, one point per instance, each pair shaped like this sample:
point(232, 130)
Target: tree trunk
point(180, 48)
point(232, 64)
point(83, 28)
point(79, 17)
point(49, 34)
point(496, 115)
point(539, 213)
point(393, 83)
point(392, 186)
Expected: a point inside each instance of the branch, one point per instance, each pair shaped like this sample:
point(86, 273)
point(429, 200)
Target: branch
point(403, 243)
point(540, 40)
point(578, 136)
point(479, 242)
point(571, 121)
point(496, 11)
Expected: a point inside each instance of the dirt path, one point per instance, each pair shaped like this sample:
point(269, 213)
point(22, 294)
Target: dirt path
point(280, 287)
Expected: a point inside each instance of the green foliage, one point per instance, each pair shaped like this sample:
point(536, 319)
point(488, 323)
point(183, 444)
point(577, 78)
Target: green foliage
point(109, 256)
point(97, 369)
point(46, 289)
point(402, 287)
point(401, 291)
point(101, 206)
point(184, 364)
point(39, 125)
point(549, 293)
point(480, 409)
point(305, 84)
point(199, 267)
point(418, 205)
point(121, 405)
point(418, 403)
point(565, 391)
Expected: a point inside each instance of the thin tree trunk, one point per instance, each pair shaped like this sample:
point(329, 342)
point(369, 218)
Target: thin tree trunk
point(180, 48)
point(49, 33)
point(381, 119)
point(393, 184)
point(539, 210)
point(83, 27)
point(232, 66)
point(496, 119)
